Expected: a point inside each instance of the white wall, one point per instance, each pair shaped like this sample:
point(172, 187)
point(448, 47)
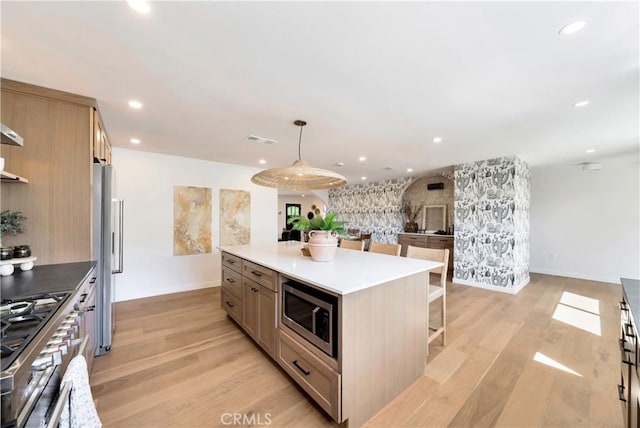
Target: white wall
point(145, 181)
point(586, 224)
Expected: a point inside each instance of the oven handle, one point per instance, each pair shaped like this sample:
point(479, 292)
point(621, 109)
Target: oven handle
point(65, 393)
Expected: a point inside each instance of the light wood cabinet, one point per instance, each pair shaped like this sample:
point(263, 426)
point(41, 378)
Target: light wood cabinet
point(251, 307)
point(57, 156)
point(101, 144)
point(268, 320)
point(232, 305)
point(249, 295)
point(427, 241)
point(319, 380)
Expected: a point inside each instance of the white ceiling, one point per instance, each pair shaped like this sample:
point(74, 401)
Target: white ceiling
point(379, 80)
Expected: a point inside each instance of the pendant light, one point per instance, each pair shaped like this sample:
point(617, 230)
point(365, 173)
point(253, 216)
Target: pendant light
point(300, 175)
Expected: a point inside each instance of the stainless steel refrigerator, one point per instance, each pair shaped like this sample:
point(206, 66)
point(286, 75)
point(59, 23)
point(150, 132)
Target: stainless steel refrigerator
point(107, 250)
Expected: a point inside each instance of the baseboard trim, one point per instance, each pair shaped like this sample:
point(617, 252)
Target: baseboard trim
point(510, 290)
point(599, 278)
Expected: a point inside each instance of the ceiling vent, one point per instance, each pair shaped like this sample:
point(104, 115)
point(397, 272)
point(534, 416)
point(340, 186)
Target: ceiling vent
point(591, 166)
point(261, 140)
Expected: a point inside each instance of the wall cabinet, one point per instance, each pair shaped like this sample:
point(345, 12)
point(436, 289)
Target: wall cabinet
point(101, 144)
point(427, 241)
point(249, 295)
point(58, 128)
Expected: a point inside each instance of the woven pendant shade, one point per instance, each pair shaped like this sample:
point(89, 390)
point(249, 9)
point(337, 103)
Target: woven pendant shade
point(300, 175)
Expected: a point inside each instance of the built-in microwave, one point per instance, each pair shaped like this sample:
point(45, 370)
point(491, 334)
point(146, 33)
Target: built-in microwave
point(311, 313)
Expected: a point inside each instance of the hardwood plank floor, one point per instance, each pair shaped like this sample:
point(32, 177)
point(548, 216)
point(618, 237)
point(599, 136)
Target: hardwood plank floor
point(178, 361)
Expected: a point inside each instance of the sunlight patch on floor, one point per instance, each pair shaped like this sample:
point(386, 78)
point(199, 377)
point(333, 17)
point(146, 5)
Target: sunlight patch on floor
point(541, 358)
point(577, 318)
point(581, 302)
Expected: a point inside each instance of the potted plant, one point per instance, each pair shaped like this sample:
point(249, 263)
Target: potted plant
point(323, 234)
point(10, 224)
point(411, 213)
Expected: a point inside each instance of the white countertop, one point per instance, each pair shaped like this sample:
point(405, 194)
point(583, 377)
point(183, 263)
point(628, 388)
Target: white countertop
point(349, 272)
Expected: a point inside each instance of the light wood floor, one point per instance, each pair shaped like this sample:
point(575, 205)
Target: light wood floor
point(178, 361)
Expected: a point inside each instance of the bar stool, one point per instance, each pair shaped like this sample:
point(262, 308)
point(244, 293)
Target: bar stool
point(435, 291)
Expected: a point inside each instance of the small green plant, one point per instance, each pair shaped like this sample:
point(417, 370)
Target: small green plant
point(329, 222)
point(11, 223)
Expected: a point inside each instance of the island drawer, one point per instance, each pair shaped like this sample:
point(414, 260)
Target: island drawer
point(319, 380)
point(260, 274)
point(231, 304)
point(232, 281)
point(232, 262)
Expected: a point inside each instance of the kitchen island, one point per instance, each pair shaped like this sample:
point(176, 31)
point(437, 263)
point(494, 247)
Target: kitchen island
point(379, 343)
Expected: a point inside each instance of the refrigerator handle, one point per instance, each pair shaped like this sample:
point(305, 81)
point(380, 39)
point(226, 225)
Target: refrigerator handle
point(120, 236)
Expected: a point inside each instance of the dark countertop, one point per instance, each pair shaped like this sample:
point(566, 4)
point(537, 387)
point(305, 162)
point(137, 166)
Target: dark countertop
point(44, 279)
point(631, 289)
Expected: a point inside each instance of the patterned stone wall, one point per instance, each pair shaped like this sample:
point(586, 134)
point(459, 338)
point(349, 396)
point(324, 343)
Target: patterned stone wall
point(491, 203)
point(417, 194)
point(374, 207)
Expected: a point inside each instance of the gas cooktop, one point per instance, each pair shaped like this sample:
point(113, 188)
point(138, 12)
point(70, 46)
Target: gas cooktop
point(21, 319)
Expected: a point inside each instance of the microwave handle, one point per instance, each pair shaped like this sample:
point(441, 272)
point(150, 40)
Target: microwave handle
point(313, 320)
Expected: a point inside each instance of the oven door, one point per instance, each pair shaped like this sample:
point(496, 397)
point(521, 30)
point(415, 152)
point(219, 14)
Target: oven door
point(46, 411)
point(308, 316)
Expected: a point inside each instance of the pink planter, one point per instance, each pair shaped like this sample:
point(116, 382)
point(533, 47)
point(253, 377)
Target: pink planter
point(323, 245)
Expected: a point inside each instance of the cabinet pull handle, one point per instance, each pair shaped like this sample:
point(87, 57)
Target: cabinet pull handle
point(83, 297)
point(231, 305)
point(93, 280)
point(256, 273)
point(230, 280)
point(255, 290)
point(623, 306)
point(306, 373)
point(231, 262)
point(621, 393)
point(630, 363)
point(627, 331)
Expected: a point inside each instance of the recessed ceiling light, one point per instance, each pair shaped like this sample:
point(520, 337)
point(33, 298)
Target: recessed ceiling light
point(339, 164)
point(140, 6)
point(591, 150)
point(574, 27)
point(409, 169)
point(362, 158)
point(135, 104)
point(135, 141)
point(262, 161)
point(302, 195)
point(363, 178)
point(581, 103)
point(437, 140)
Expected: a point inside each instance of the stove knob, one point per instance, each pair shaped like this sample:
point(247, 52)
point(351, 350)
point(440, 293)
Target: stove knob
point(59, 344)
point(57, 356)
point(42, 362)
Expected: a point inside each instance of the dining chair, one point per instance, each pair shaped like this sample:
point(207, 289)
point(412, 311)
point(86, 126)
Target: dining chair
point(366, 238)
point(391, 249)
point(352, 245)
point(435, 291)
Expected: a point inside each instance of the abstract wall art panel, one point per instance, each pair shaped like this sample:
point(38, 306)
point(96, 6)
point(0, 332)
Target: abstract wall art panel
point(191, 220)
point(235, 217)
